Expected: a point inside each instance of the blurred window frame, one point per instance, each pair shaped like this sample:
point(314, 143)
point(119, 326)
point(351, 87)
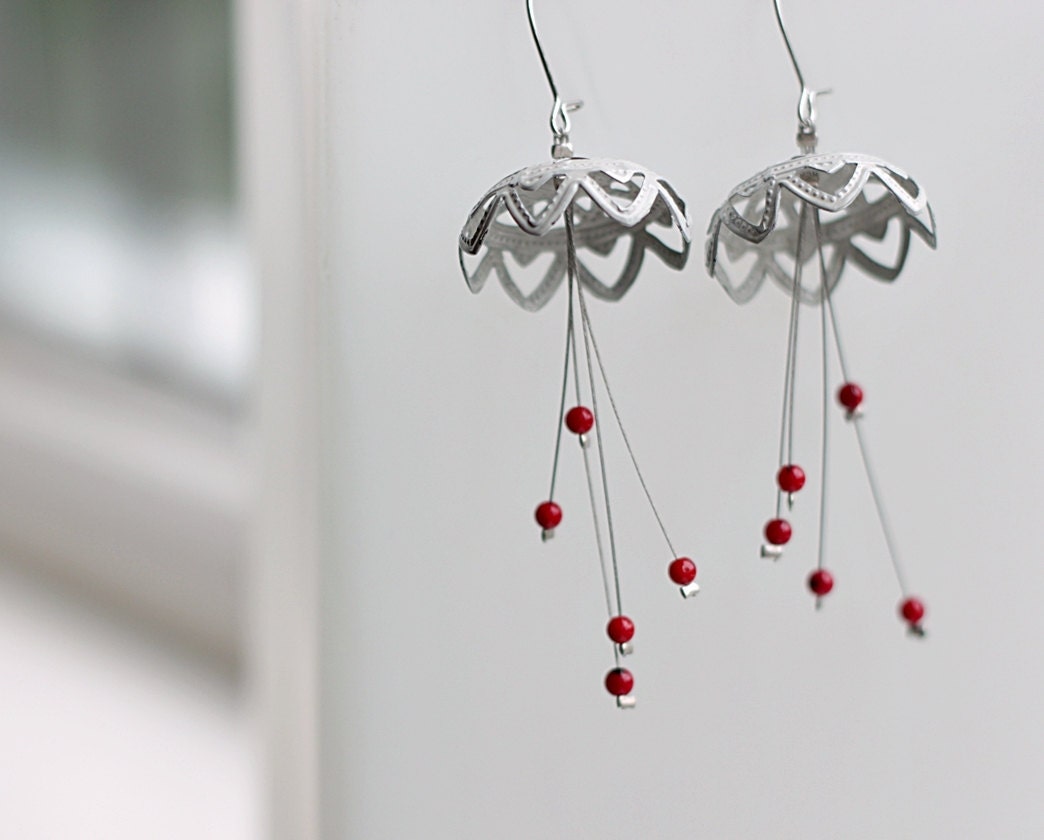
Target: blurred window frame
point(124, 472)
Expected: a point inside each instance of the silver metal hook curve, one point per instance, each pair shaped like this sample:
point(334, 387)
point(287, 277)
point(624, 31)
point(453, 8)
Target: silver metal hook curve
point(790, 48)
point(807, 103)
point(560, 110)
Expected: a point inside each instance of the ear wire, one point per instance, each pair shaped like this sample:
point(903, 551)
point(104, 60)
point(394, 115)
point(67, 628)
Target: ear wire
point(560, 110)
point(806, 111)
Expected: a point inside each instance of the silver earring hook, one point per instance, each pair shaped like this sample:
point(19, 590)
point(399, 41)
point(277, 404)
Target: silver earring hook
point(807, 103)
point(560, 110)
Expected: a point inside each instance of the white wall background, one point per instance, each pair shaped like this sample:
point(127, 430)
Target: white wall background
point(462, 660)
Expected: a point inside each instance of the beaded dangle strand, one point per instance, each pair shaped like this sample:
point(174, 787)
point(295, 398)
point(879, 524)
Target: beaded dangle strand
point(776, 216)
point(567, 207)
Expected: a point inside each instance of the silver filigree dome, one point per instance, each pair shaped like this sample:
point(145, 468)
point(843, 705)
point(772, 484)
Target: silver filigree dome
point(860, 196)
point(521, 216)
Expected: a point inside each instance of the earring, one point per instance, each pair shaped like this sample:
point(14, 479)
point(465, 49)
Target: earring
point(810, 209)
point(567, 208)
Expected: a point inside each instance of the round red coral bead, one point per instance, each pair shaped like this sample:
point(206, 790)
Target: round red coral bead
point(850, 396)
point(820, 582)
point(579, 420)
point(912, 610)
point(620, 629)
point(548, 515)
point(778, 531)
point(619, 681)
point(682, 571)
point(790, 478)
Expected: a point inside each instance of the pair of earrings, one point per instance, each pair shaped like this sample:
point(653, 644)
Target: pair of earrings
point(806, 212)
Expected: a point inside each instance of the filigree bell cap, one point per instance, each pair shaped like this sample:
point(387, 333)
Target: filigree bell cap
point(522, 215)
point(861, 194)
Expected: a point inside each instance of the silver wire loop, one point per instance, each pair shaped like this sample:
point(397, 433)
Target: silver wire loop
point(806, 110)
point(560, 110)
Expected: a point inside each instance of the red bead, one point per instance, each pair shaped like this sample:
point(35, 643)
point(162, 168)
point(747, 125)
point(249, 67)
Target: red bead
point(790, 478)
point(912, 610)
point(620, 629)
point(619, 681)
point(548, 515)
point(778, 531)
point(682, 571)
point(579, 420)
point(820, 582)
point(850, 396)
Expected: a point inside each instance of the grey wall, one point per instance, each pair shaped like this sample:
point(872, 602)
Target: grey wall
point(463, 658)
